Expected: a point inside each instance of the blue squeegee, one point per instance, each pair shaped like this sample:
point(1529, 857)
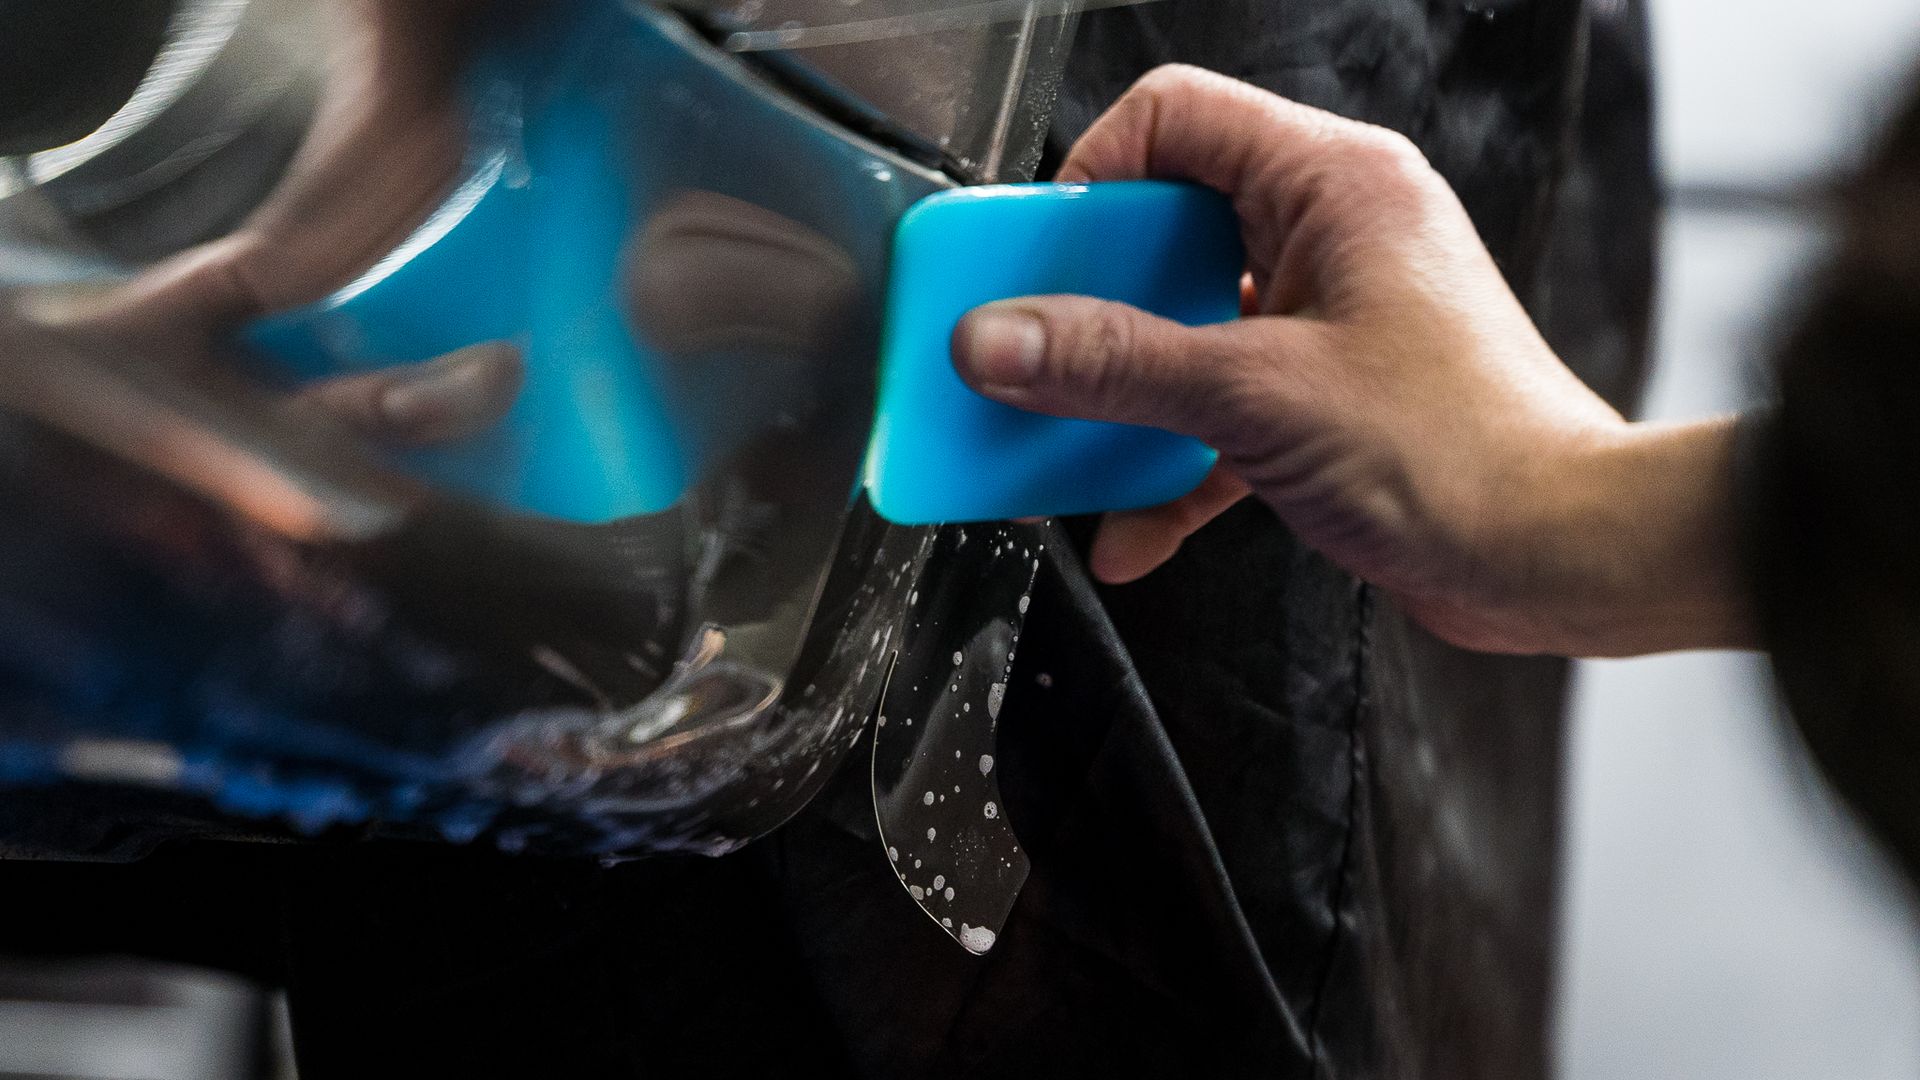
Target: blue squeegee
point(942, 453)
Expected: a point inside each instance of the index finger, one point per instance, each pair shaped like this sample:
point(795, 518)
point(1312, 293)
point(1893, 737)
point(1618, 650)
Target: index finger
point(1273, 157)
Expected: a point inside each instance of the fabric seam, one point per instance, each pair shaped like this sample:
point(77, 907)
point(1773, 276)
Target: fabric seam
point(1342, 889)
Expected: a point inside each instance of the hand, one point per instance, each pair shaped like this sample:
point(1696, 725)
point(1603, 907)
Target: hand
point(386, 141)
point(1386, 393)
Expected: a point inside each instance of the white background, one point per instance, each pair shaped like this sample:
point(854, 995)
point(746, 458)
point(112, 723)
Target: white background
point(1722, 918)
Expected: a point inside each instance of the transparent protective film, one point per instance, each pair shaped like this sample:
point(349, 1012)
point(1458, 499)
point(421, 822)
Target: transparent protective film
point(801, 24)
point(936, 792)
point(966, 84)
point(620, 596)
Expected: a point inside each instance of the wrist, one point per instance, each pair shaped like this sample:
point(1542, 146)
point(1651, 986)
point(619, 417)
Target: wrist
point(1637, 551)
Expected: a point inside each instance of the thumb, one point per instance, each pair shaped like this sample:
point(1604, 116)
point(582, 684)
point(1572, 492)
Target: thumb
point(1098, 360)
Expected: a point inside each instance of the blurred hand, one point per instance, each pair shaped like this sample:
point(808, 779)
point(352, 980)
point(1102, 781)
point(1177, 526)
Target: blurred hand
point(451, 397)
point(148, 369)
point(387, 139)
point(1386, 393)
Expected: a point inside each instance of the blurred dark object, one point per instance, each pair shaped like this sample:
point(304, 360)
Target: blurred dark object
point(1833, 480)
point(67, 65)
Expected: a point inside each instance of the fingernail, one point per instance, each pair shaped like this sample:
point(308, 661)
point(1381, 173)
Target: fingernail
point(413, 404)
point(430, 395)
point(1003, 347)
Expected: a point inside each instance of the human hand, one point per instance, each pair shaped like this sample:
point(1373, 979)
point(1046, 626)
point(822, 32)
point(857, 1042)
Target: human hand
point(1386, 394)
point(386, 140)
point(385, 143)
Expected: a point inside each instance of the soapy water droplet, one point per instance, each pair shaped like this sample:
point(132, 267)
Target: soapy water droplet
point(916, 864)
point(986, 764)
point(893, 854)
point(949, 893)
point(976, 938)
point(939, 881)
point(947, 922)
point(992, 811)
point(917, 892)
point(996, 696)
point(927, 799)
point(958, 658)
point(930, 834)
point(1024, 602)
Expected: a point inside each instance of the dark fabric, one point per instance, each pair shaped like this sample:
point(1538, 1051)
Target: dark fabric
point(1387, 806)
point(1275, 830)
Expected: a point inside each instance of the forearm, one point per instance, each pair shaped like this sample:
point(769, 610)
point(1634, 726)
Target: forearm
point(1639, 545)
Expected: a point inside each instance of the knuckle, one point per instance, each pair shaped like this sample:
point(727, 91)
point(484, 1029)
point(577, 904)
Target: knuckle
point(1384, 177)
point(1184, 86)
point(1388, 155)
point(1174, 79)
point(1235, 398)
point(1401, 149)
point(1201, 392)
point(1104, 343)
point(1240, 414)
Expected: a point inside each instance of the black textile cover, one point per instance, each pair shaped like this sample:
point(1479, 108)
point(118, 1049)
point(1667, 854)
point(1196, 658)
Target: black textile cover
point(1275, 830)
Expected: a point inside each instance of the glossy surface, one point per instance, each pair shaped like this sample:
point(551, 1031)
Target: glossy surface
point(219, 594)
point(967, 83)
point(936, 785)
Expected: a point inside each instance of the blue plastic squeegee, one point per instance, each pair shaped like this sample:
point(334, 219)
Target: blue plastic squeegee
point(941, 452)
